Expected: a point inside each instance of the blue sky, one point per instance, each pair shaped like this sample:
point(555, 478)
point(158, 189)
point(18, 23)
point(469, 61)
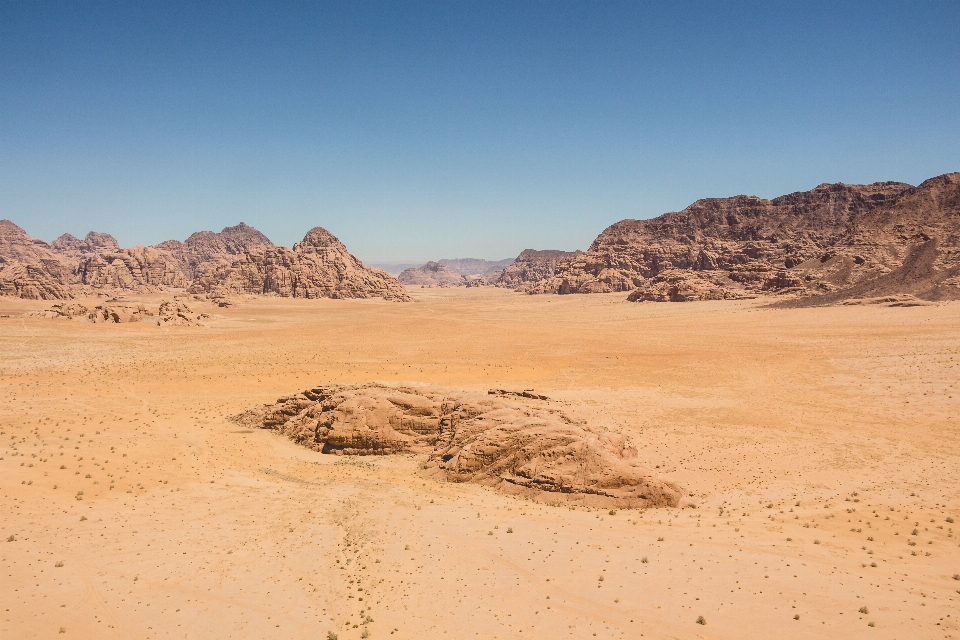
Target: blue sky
point(417, 131)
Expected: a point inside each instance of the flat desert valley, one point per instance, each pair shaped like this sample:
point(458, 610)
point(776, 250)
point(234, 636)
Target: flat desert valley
point(820, 447)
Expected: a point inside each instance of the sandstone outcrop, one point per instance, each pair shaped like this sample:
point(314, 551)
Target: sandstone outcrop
point(531, 269)
point(680, 285)
point(819, 244)
point(319, 266)
point(239, 259)
point(749, 238)
point(911, 247)
point(174, 313)
point(29, 268)
point(526, 447)
point(206, 249)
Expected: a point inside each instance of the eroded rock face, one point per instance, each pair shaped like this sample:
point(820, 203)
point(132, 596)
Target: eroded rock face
point(531, 269)
point(432, 274)
point(317, 267)
point(29, 268)
point(749, 238)
point(911, 247)
point(174, 313)
point(515, 445)
point(206, 249)
point(680, 285)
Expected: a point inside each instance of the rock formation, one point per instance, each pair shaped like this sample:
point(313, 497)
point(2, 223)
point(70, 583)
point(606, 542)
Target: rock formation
point(239, 259)
point(531, 269)
point(432, 274)
point(29, 268)
point(815, 243)
point(682, 285)
point(910, 247)
point(174, 313)
point(205, 249)
point(526, 447)
point(317, 267)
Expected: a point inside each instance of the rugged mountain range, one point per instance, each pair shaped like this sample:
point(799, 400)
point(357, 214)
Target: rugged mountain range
point(454, 272)
point(320, 266)
point(432, 274)
point(831, 243)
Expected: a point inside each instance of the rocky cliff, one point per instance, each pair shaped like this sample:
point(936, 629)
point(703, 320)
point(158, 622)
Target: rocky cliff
point(530, 269)
point(29, 268)
point(319, 266)
point(804, 244)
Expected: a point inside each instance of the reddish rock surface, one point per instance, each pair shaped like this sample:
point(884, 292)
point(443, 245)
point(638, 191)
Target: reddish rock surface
point(319, 266)
point(831, 243)
point(530, 269)
point(525, 447)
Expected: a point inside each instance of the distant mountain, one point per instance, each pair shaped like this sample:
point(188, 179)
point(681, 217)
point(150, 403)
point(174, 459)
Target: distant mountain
point(530, 269)
point(829, 244)
point(453, 272)
point(432, 274)
point(474, 266)
point(69, 266)
point(394, 268)
point(319, 266)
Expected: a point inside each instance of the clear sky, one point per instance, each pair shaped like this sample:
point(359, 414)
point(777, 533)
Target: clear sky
point(417, 131)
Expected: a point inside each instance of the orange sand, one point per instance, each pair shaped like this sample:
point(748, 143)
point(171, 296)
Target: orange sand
point(815, 442)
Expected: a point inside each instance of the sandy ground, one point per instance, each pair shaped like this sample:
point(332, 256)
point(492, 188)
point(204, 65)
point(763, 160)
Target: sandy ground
point(821, 445)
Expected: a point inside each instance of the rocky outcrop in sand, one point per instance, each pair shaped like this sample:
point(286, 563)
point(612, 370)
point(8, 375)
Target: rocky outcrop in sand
point(531, 269)
point(317, 267)
point(681, 285)
point(525, 447)
point(174, 313)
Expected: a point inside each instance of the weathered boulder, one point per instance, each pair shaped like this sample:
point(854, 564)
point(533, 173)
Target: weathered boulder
point(520, 445)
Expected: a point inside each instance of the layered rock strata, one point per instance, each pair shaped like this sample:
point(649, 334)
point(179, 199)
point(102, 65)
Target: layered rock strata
point(526, 447)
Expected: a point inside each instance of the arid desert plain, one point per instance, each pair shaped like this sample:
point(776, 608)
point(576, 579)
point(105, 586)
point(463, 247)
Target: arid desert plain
point(820, 448)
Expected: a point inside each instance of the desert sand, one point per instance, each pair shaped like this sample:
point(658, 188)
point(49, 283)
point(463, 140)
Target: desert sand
point(819, 445)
